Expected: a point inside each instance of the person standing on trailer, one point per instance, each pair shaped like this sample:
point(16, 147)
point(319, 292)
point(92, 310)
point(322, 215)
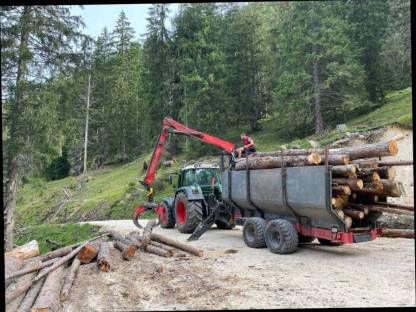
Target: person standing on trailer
point(249, 148)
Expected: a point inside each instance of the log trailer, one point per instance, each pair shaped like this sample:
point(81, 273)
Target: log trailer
point(278, 208)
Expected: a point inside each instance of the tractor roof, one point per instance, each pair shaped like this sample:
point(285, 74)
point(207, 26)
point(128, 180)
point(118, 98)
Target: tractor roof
point(205, 165)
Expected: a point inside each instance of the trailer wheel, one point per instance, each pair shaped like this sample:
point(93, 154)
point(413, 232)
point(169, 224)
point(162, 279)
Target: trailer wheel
point(281, 237)
point(305, 239)
point(326, 242)
point(168, 220)
point(253, 232)
point(188, 213)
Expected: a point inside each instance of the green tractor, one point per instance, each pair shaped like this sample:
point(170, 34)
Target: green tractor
point(197, 197)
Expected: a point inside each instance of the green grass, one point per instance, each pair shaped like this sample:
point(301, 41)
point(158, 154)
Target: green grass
point(113, 192)
point(396, 110)
point(62, 234)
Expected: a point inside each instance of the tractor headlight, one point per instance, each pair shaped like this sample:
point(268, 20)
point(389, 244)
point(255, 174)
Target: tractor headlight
point(334, 229)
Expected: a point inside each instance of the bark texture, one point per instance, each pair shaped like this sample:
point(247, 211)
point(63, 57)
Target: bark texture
point(104, 257)
point(276, 162)
point(69, 279)
point(12, 265)
point(14, 304)
point(56, 253)
point(177, 244)
point(49, 296)
point(28, 250)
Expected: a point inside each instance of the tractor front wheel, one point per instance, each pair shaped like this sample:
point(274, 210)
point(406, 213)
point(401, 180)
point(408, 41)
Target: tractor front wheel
point(188, 213)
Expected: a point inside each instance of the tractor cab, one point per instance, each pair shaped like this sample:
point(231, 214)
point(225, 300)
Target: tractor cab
point(201, 177)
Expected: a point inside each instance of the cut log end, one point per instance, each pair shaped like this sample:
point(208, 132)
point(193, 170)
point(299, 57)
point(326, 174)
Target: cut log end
point(360, 183)
point(128, 252)
point(314, 159)
point(393, 148)
point(104, 265)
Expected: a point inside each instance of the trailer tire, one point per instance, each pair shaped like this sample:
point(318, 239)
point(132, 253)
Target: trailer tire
point(305, 239)
point(168, 221)
point(188, 214)
point(253, 232)
point(326, 242)
point(281, 237)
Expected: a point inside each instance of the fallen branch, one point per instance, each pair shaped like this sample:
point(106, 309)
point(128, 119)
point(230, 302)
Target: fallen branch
point(127, 251)
point(398, 233)
point(177, 244)
point(158, 251)
point(31, 295)
point(28, 250)
point(69, 280)
point(103, 258)
point(57, 262)
point(48, 298)
point(56, 253)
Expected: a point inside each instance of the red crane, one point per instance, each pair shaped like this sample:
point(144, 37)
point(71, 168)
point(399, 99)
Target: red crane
point(170, 126)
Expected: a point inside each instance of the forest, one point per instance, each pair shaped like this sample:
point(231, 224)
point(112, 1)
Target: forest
point(72, 103)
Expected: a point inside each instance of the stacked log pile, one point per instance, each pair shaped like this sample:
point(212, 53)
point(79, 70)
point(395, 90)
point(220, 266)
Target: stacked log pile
point(361, 181)
point(42, 282)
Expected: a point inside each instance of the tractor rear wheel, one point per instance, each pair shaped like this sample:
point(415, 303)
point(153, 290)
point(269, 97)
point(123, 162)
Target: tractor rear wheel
point(188, 213)
point(168, 219)
point(281, 236)
point(253, 232)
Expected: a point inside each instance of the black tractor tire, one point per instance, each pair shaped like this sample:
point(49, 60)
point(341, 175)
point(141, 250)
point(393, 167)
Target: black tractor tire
point(253, 232)
point(326, 242)
point(281, 237)
point(302, 239)
point(188, 214)
point(168, 221)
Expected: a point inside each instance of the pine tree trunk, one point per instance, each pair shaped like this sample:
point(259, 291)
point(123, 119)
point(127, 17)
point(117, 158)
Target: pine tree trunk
point(86, 124)
point(13, 142)
point(319, 124)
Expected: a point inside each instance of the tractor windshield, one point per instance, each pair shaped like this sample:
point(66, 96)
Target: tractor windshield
point(203, 176)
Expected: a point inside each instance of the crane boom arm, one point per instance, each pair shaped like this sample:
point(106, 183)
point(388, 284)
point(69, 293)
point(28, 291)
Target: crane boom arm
point(171, 126)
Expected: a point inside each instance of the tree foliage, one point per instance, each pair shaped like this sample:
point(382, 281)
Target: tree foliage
point(219, 66)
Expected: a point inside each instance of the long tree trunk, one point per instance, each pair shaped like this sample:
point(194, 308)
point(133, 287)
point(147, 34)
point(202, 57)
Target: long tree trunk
point(86, 123)
point(13, 142)
point(49, 296)
point(319, 124)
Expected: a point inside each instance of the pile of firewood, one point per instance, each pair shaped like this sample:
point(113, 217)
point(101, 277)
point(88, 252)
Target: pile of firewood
point(361, 181)
point(41, 282)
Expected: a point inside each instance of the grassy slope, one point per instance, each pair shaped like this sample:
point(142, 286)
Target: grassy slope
point(113, 192)
point(61, 234)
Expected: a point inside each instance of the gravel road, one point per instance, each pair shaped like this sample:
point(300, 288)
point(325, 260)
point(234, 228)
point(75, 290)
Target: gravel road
point(230, 275)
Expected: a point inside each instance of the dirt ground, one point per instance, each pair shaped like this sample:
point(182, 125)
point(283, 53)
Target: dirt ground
point(230, 275)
